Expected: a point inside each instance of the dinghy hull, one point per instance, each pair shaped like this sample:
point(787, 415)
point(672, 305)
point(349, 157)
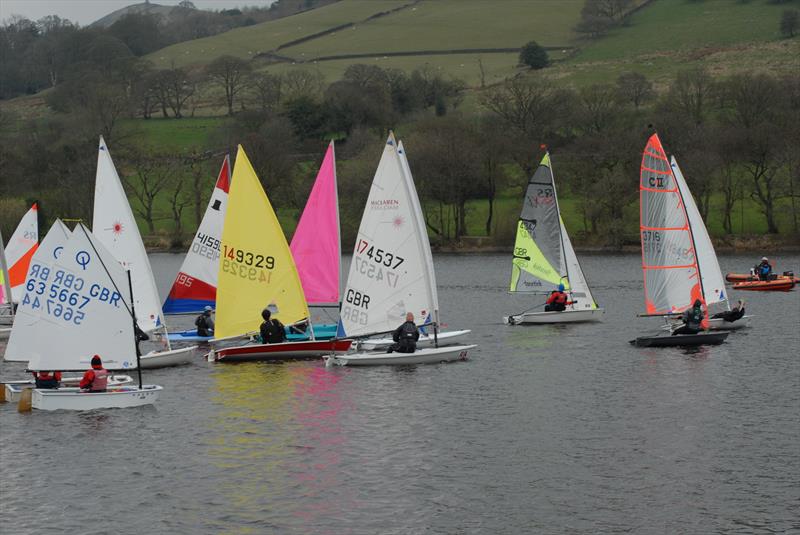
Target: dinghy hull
point(567, 316)
point(776, 285)
point(321, 332)
point(14, 388)
point(282, 351)
point(425, 340)
point(165, 359)
point(421, 356)
point(5, 332)
point(72, 399)
point(681, 340)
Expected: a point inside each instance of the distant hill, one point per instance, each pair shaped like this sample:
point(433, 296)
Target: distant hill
point(478, 40)
point(143, 8)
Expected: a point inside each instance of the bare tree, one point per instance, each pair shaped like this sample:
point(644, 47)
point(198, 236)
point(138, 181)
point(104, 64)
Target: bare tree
point(267, 90)
point(150, 177)
point(691, 94)
point(635, 88)
point(231, 74)
point(299, 83)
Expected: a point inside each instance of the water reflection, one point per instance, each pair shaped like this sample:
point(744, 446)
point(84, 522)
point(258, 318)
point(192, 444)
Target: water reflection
point(277, 432)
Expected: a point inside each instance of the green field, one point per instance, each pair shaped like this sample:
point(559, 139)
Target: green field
point(666, 36)
point(453, 24)
point(175, 135)
point(249, 41)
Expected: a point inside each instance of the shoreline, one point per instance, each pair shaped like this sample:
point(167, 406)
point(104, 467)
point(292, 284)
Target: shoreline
point(757, 249)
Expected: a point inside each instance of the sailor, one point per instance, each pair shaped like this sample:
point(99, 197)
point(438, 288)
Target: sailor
point(95, 379)
point(692, 319)
point(764, 269)
point(733, 314)
point(272, 331)
point(205, 323)
point(405, 337)
point(46, 379)
point(558, 301)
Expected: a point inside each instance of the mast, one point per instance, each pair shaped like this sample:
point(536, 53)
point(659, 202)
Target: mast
point(135, 327)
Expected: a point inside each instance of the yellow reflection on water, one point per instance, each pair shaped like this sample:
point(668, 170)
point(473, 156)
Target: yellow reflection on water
point(276, 438)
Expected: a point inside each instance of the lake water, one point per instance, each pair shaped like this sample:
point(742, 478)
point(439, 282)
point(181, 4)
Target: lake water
point(545, 429)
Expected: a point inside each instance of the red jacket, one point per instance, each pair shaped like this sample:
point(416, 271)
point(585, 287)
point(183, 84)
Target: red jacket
point(95, 379)
point(45, 376)
point(557, 297)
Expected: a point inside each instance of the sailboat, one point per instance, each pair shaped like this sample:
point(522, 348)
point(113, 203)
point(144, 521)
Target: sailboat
point(17, 350)
point(18, 253)
point(257, 271)
point(316, 244)
point(672, 274)
point(115, 227)
point(713, 283)
point(392, 271)
point(544, 257)
point(84, 298)
point(195, 285)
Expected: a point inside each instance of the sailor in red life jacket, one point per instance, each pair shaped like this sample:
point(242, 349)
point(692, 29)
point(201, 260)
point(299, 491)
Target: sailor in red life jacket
point(46, 379)
point(96, 379)
point(558, 301)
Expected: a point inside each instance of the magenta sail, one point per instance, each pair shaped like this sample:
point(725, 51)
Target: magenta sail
point(316, 246)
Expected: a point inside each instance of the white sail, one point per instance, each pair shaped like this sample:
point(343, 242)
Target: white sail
point(81, 303)
point(114, 225)
point(195, 286)
point(19, 250)
point(45, 256)
point(424, 242)
point(710, 272)
point(389, 274)
point(578, 288)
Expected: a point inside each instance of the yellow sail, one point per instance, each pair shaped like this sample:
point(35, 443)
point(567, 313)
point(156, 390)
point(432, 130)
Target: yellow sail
point(256, 268)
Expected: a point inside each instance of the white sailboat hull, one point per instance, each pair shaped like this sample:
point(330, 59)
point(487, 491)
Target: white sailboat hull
point(421, 356)
point(425, 340)
point(14, 388)
point(5, 332)
point(567, 316)
point(72, 399)
point(164, 359)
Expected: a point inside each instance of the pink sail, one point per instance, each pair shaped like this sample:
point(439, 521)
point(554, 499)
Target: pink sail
point(315, 245)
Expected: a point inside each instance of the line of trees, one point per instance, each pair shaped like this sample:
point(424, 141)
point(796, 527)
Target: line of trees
point(734, 137)
point(37, 55)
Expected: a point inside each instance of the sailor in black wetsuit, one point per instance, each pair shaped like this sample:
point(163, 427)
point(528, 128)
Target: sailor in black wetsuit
point(205, 323)
point(692, 318)
point(733, 314)
point(405, 337)
point(272, 331)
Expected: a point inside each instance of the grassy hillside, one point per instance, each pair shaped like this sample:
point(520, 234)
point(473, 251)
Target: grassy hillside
point(252, 40)
point(669, 35)
point(661, 38)
point(453, 24)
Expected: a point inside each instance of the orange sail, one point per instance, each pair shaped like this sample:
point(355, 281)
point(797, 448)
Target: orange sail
point(669, 262)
